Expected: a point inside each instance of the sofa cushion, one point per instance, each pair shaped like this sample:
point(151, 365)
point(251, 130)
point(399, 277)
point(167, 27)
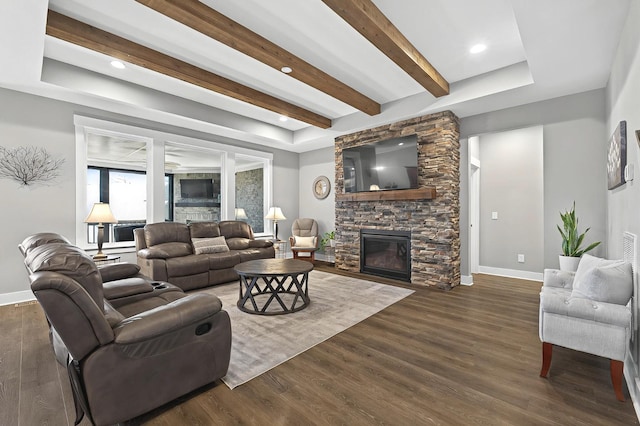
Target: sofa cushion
point(187, 265)
point(224, 260)
point(166, 232)
point(209, 245)
point(238, 243)
point(70, 261)
point(166, 251)
point(260, 243)
point(304, 241)
point(603, 280)
point(235, 229)
point(40, 239)
point(204, 229)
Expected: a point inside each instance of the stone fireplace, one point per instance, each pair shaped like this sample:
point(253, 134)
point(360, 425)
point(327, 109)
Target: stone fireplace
point(429, 215)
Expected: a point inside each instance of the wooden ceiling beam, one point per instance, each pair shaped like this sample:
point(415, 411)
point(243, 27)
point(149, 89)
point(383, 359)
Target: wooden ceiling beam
point(81, 34)
point(369, 21)
point(210, 22)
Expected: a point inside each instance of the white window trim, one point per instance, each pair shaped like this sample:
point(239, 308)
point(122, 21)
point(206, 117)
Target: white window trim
point(87, 125)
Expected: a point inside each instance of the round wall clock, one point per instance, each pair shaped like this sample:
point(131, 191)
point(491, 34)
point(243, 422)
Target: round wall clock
point(321, 187)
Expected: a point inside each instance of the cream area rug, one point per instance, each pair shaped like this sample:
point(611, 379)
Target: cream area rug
point(261, 342)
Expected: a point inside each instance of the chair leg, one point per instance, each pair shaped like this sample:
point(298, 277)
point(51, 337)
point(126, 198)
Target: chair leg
point(547, 350)
point(617, 368)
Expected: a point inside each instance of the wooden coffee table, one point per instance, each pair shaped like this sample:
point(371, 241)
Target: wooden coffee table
point(264, 281)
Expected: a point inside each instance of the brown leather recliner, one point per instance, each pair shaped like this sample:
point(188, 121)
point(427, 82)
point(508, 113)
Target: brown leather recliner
point(122, 366)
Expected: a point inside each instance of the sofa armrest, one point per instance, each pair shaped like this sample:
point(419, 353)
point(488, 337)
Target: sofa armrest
point(126, 287)
point(166, 251)
point(118, 271)
point(184, 312)
point(558, 278)
point(260, 243)
point(591, 310)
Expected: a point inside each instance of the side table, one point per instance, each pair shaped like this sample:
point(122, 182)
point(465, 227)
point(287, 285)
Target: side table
point(109, 259)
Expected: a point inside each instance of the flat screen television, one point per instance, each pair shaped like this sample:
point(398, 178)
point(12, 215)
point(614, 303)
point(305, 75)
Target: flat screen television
point(196, 188)
point(381, 165)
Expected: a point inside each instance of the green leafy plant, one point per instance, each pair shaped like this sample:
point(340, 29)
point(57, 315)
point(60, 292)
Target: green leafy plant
point(326, 239)
point(571, 241)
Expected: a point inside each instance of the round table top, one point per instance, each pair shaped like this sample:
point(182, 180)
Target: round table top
point(269, 267)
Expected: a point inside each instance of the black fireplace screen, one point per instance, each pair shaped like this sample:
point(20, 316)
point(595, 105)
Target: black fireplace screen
point(386, 253)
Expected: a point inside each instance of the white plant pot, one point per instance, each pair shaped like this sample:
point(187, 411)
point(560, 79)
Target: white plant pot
point(568, 263)
point(332, 243)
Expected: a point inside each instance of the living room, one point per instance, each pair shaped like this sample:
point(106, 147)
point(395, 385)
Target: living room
point(575, 126)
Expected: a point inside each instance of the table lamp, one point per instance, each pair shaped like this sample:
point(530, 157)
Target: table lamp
point(241, 214)
point(100, 214)
point(275, 214)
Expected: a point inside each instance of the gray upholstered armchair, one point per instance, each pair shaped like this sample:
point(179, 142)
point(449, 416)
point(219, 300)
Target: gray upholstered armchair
point(588, 311)
point(125, 356)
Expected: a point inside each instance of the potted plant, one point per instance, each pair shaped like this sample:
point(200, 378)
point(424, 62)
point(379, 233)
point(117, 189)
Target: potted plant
point(571, 241)
point(328, 238)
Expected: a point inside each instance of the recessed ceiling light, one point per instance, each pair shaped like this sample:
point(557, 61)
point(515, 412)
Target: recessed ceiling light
point(478, 48)
point(117, 64)
point(283, 118)
point(286, 70)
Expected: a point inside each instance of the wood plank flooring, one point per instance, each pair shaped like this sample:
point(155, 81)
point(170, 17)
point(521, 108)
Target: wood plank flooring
point(470, 356)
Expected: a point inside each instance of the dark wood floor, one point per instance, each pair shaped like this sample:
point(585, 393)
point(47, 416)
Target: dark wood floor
point(464, 357)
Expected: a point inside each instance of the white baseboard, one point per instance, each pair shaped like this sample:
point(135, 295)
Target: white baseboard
point(633, 384)
point(512, 273)
point(16, 297)
point(466, 280)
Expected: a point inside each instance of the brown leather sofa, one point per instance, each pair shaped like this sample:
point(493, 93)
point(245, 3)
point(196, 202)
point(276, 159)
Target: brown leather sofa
point(147, 345)
point(166, 252)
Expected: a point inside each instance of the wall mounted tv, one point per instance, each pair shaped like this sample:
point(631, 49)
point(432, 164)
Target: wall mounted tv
point(381, 165)
point(196, 188)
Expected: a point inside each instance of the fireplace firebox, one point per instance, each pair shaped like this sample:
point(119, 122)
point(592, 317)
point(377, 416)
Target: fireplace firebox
point(386, 253)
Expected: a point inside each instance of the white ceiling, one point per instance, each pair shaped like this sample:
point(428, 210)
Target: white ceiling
point(536, 50)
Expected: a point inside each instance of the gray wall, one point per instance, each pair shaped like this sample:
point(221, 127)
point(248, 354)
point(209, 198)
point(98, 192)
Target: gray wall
point(316, 163)
point(35, 121)
point(622, 103)
point(511, 181)
point(574, 161)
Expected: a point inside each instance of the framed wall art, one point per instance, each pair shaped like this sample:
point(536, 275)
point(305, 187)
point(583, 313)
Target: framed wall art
point(617, 156)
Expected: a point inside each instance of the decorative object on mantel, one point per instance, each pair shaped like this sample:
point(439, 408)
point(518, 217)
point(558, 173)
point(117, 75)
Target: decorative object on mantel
point(29, 165)
point(571, 241)
point(100, 214)
point(275, 214)
point(321, 187)
point(617, 156)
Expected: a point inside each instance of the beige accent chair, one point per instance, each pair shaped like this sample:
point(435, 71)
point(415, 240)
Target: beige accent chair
point(304, 237)
point(588, 311)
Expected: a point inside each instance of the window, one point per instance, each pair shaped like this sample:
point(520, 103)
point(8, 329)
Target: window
point(138, 171)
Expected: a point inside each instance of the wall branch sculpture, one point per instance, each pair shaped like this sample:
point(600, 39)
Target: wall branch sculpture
point(28, 165)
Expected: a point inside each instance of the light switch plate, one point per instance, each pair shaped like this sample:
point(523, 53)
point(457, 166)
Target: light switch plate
point(494, 215)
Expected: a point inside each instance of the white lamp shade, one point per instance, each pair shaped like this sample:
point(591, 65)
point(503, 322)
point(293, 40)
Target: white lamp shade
point(101, 213)
point(275, 213)
point(241, 214)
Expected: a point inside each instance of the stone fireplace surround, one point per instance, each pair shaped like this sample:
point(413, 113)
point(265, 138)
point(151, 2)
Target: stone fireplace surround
point(433, 223)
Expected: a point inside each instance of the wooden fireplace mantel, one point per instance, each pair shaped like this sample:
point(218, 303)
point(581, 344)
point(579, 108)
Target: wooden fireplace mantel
point(427, 193)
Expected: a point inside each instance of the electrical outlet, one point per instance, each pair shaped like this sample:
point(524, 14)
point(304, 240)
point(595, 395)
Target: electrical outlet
point(494, 215)
point(521, 258)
